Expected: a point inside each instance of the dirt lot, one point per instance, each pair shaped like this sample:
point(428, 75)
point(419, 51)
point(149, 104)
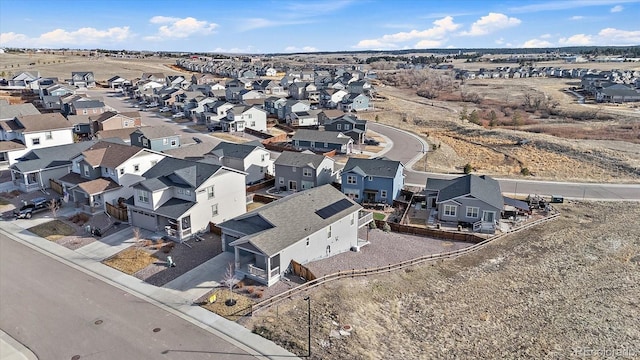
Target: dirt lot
point(549, 292)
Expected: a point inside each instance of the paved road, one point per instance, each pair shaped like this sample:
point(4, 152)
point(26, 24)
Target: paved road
point(408, 148)
point(60, 312)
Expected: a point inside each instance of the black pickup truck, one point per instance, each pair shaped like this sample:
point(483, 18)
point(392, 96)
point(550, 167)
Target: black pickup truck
point(34, 206)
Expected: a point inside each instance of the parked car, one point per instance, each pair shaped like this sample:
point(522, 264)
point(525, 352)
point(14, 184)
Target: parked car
point(197, 140)
point(178, 115)
point(371, 142)
point(35, 206)
point(153, 104)
point(165, 109)
point(214, 127)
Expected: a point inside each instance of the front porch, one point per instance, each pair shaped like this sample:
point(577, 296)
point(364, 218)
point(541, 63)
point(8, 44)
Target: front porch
point(27, 182)
point(251, 263)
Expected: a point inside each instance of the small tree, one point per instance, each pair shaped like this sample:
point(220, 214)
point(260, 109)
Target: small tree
point(230, 281)
point(53, 207)
point(493, 119)
point(474, 117)
point(137, 237)
point(464, 114)
point(468, 168)
point(377, 118)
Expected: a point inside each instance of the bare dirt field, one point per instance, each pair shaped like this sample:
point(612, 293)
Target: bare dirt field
point(556, 291)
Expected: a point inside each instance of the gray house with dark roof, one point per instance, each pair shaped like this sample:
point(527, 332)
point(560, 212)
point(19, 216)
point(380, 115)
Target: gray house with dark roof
point(181, 197)
point(377, 181)
point(158, 138)
point(251, 158)
point(303, 170)
point(265, 241)
point(350, 125)
point(468, 199)
point(325, 141)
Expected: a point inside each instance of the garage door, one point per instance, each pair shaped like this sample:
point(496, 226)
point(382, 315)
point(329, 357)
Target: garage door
point(228, 239)
point(144, 220)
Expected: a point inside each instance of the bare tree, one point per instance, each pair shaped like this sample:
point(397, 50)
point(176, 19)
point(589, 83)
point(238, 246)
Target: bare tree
point(137, 237)
point(230, 280)
point(53, 207)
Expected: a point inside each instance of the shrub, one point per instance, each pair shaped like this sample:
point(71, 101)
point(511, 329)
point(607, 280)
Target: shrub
point(386, 227)
point(259, 294)
point(372, 225)
point(525, 171)
point(250, 289)
point(468, 169)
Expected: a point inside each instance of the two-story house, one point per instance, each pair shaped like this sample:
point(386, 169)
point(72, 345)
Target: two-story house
point(354, 102)
point(181, 197)
point(469, 199)
point(377, 181)
point(83, 79)
point(350, 125)
point(307, 226)
point(303, 170)
point(241, 117)
point(87, 107)
point(157, 138)
point(325, 141)
point(105, 172)
point(24, 133)
point(251, 158)
point(292, 105)
point(112, 120)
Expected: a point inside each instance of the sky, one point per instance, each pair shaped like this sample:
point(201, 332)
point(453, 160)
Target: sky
point(281, 26)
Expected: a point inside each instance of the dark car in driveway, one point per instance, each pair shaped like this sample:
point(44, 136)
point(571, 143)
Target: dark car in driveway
point(35, 206)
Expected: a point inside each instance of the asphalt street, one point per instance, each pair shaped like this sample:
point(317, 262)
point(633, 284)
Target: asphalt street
point(61, 312)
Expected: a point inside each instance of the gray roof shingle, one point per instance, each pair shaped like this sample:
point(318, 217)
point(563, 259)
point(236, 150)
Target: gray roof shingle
point(234, 150)
point(299, 159)
point(483, 188)
point(179, 172)
point(379, 167)
point(331, 137)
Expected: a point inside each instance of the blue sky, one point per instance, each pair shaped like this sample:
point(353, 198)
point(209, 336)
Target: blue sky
point(277, 26)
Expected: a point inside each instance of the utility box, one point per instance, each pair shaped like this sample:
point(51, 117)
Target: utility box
point(557, 199)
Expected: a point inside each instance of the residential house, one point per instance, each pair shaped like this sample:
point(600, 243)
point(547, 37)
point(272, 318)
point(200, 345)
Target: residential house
point(377, 180)
point(23, 79)
point(104, 173)
point(271, 72)
point(328, 115)
point(330, 98)
point(112, 120)
point(303, 170)
point(85, 106)
point(38, 167)
point(83, 126)
point(251, 158)
point(307, 226)
point(354, 102)
point(468, 199)
point(201, 79)
point(292, 105)
point(214, 112)
point(359, 87)
point(350, 125)
point(27, 132)
point(274, 104)
point(303, 118)
point(182, 197)
point(155, 77)
point(157, 138)
point(322, 141)
point(242, 116)
point(10, 111)
point(83, 79)
point(617, 93)
point(117, 82)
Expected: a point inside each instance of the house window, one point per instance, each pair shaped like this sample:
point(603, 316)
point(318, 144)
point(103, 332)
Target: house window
point(351, 179)
point(263, 157)
point(136, 168)
point(174, 143)
point(125, 123)
point(252, 123)
point(370, 178)
point(180, 191)
point(281, 180)
point(383, 194)
point(122, 171)
point(187, 192)
point(306, 172)
point(186, 222)
point(449, 210)
point(84, 112)
point(346, 126)
point(165, 141)
point(329, 232)
point(210, 192)
point(326, 145)
point(143, 196)
point(145, 142)
point(48, 135)
point(214, 210)
point(35, 141)
point(472, 212)
point(339, 127)
point(313, 144)
point(86, 170)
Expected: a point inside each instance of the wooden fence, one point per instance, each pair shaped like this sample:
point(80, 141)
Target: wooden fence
point(391, 267)
point(117, 212)
point(214, 229)
point(261, 185)
point(263, 198)
point(302, 271)
point(56, 186)
point(256, 133)
point(435, 233)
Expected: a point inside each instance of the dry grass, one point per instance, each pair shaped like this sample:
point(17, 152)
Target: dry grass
point(230, 137)
point(130, 260)
point(53, 230)
point(241, 308)
point(200, 128)
point(254, 205)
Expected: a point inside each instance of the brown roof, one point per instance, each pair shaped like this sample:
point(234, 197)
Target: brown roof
point(333, 113)
point(11, 145)
point(116, 133)
point(104, 116)
point(44, 122)
point(131, 114)
point(79, 119)
point(108, 154)
point(90, 187)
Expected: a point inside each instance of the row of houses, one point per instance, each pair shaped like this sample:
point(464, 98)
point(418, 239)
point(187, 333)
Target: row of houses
point(630, 77)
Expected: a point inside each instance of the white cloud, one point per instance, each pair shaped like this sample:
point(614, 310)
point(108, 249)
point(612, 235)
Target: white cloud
point(425, 44)
point(564, 5)
point(490, 23)
point(177, 28)
point(258, 23)
point(576, 40)
point(438, 33)
point(302, 49)
point(611, 36)
point(576, 17)
point(536, 43)
point(60, 37)
point(500, 41)
point(617, 8)
point(248, 49)
point(545, 36)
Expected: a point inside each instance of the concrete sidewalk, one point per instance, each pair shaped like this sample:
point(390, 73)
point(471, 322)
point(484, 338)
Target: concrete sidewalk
point(12, 349)
point(110, 245)
point(177, 302)
point(198, 281)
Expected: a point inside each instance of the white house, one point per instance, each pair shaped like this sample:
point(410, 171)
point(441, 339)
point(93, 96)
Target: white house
point(180, 197)
point(24, 133)
point(241, 117)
